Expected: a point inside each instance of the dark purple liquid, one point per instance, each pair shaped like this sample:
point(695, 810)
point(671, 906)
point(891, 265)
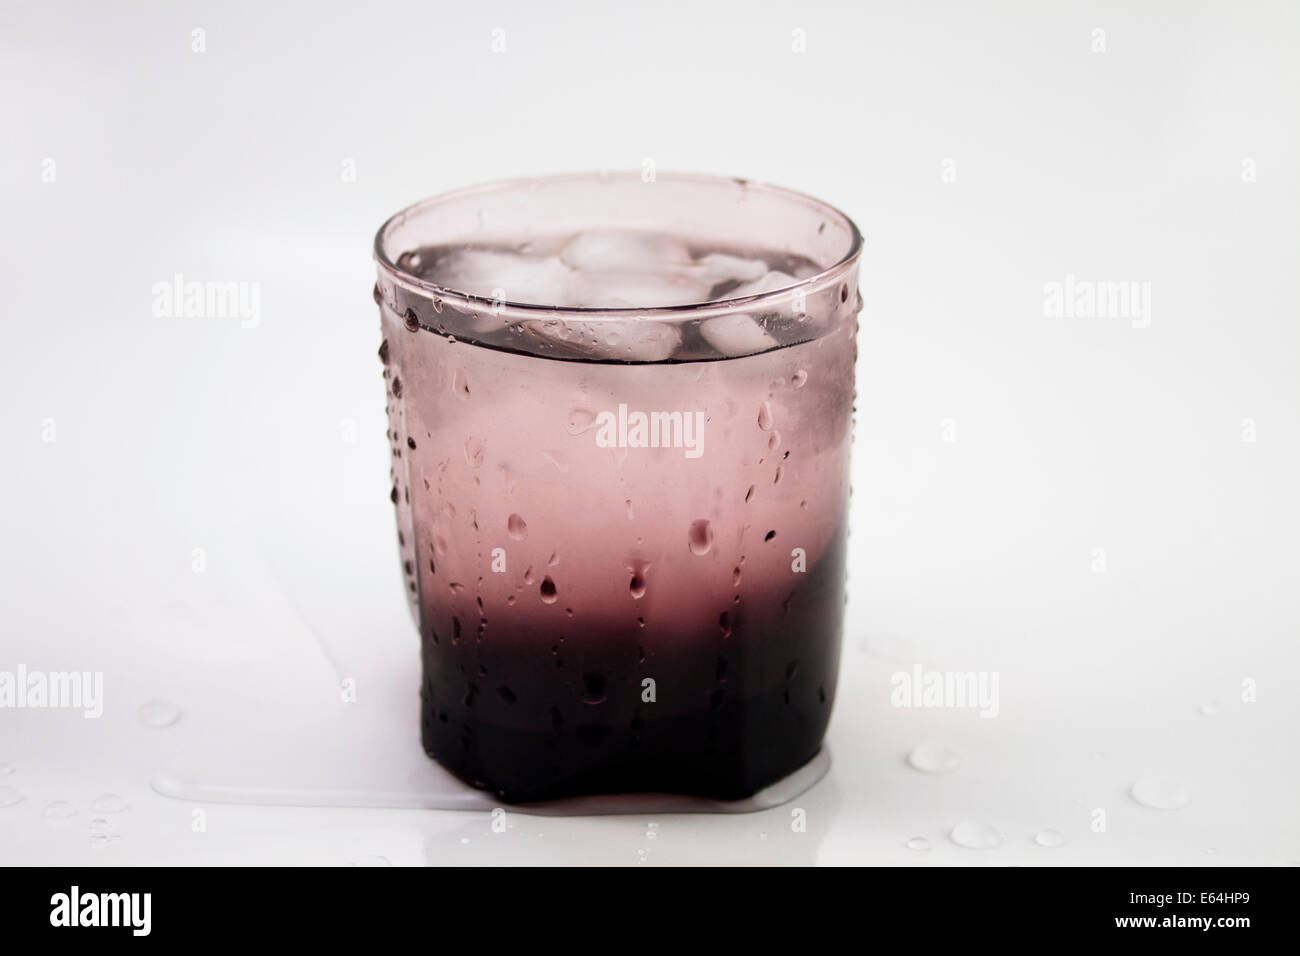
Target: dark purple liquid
point(738, 707)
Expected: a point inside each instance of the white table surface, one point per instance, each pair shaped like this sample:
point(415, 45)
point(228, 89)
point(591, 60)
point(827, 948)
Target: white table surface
point(976, 554)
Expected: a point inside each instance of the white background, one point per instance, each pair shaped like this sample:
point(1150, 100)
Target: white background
point(1071, 435)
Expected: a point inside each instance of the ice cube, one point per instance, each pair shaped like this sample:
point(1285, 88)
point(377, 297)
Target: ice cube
point(637, 290)
point(736, 334)
point(613, 250)
point(620, 340)
point(768, 282)
point(497, 273)
point(613, 269)
point(642, 340)
point(721, 267)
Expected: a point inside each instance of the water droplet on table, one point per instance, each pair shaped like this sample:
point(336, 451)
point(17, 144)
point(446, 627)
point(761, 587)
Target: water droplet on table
point(59, 810)
point(931, 757)
point(1159, 792)
point(159, 713)
point(976, 836)
point(1050, 838)
point(917, 843)
point(109, 803)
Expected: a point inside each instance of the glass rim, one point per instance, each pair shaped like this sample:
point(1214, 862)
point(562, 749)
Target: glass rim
point(692, 309)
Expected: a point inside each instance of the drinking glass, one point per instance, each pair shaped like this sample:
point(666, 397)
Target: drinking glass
point(620, 412)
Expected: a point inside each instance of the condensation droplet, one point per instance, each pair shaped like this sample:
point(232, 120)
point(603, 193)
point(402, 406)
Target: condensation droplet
point(932, 757)
point(976, 836)
point(773, 441)
point(517, 527)
point(594, 688)
point(1050, 838)
point(799, 379)
point(579, 421)
point(1160, 792)
point(700, 536)
point(159, 713)
point(474, 450)
point(547, 590)
point(109, 803)
point(460, 384)
point(59, 810)
point(765, 416)
point(637, 586)
point(918, 843)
